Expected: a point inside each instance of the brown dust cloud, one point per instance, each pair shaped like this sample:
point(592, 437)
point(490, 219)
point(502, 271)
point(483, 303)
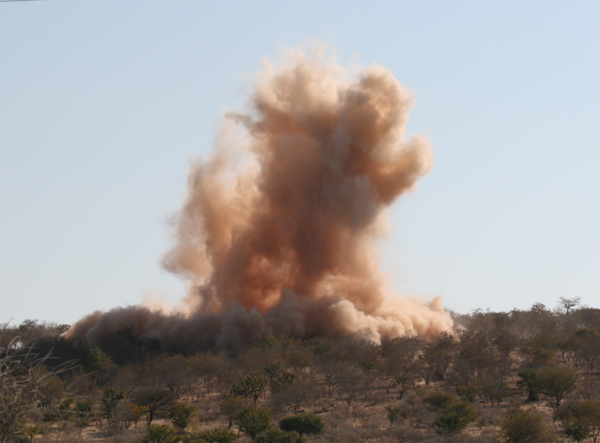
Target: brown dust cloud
point(278, 232)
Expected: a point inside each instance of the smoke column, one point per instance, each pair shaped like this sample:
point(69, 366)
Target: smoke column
point(278, 232)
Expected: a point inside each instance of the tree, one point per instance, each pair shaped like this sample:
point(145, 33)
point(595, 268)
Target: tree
point(588, 347)
point(109, 403)
point(254, 420)
point(494, 390)
point(556, 383)
point(399, 364)
point(529, 381)
point(437, 356)
point(525, 426)
point(581, 420)
point(304, 424)
point(22, 378)
point(230, 407)
point(160, 434)
point(566, 304)
point(135, 412)
point(172, 372)
point(157, 401)
point(252, 386)
point(94, 360)
point(181, 415)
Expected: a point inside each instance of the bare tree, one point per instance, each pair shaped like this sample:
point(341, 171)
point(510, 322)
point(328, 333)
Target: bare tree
point(566, 304)
point(23, 376)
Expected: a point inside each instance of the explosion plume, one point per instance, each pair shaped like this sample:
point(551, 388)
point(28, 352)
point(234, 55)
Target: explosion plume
point(278, 232)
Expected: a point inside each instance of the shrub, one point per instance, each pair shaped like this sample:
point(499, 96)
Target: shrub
point(109, 402)
point(467, 393)
point(212, 436)
point(160, 434)
point(439, 399)
point(395, 413)
point(254, 420)
point(181, 415)
point(303, 423)
point(581, 420)
point(274, 435)
point(22, 376)
point(454, 418)
point(523, 426)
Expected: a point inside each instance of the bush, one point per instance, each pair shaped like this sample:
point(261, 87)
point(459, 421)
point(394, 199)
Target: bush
point(22, 376)
point(467, 393)
point(254, 420)
point(523, 426)
point(160, 434)
point(454, 418)
point(109, 402)
point(212, 436)
point(181, 415)
point(395, 413)
point(303, 423)
point(279, 436)
point(495, 391)
point(581, 420)
point(439, 399)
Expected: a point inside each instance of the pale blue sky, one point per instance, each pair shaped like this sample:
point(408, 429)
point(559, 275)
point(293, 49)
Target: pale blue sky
point(103, 104)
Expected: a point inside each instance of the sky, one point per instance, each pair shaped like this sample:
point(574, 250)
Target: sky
point(103, 105)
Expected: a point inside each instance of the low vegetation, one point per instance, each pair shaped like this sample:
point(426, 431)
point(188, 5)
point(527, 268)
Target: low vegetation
point(520, 376)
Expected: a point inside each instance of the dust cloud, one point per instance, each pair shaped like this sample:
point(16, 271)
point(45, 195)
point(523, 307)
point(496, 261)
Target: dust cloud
point(278, 232)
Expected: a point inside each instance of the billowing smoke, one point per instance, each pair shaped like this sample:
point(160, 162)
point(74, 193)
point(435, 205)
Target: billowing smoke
point(278, 233)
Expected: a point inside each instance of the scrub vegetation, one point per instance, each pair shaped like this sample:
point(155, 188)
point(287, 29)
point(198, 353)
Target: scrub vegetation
point(518, 376)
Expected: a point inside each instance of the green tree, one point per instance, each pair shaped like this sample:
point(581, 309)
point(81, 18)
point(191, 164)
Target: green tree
point(94, 360)
point(252, 386)
point(254, 420)
point(525, 426)
point(581, 420)
point(494, 391)
point(109, 403)
point(304, 424)
point(529, 381)
point(284, 381)
point(181, 415)
point(557, 382)
point(160, 434)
